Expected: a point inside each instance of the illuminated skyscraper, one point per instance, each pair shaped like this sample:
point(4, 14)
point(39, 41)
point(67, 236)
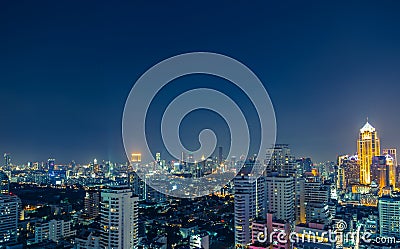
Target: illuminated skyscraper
point(4, 183)
point(280, 195)
point(348, 171)
point(136, 157)
point(9, 214)
point(281, 169)
point(393, 169)
point(393, 153)
point(7, 160)
point(51, 164)
point(316, 197)
point(380, 171)
point(249, 203)
point(92, 203)
point(119, 218)
point(368, 146)
point(281, 162)
point(137, 185)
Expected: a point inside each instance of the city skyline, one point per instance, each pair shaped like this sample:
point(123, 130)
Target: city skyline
point(199, 125)
point(367, 125)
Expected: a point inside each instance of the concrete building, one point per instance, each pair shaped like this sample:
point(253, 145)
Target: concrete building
point(281, 161)
point(271, 233)
point(87, 240)
point(10, 206)
point(92, 204)
point(200, 241)
point(280, 195)
point(316, 198)
point(383, 171)
point(389, 216)
point(119, 218)
point(54, 230)
point(249, 203)
point(4, 183)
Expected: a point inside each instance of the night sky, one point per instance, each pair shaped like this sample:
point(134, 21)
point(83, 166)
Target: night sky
point(66, 68)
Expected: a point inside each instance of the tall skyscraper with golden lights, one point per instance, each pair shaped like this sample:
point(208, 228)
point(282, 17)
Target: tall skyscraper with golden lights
point(368, 146)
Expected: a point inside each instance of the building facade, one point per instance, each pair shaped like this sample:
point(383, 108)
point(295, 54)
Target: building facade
point(200, 241)
point(4, 183)
point(54, 230)
point(119, 218)
point(92, 204)
point(383, 171)
point(10, 206)
point(280, 196)
point(249, 204)
point(368, 146)
point(389, 216)
point(281, 161)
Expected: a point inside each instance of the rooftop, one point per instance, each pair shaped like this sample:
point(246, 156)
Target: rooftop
point(367, 128)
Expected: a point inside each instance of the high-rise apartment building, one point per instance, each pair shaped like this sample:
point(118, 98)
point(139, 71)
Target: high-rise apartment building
point(281, 161)
point(4, 183)
point(280, 195)
point(92, 204)
point(10, 206)
point(249, 203)
point(348, 171)
point(304, 164)
point(341, 183)
point(393, 153)
point(368, 146)
point(284, 164)
point(137, 185)
point(300, 211)
point(389, 216)
point(383, 171)
point(7, 160)
point(51, 164)
point(315, 191)
point(119, 218)
point(316, 198)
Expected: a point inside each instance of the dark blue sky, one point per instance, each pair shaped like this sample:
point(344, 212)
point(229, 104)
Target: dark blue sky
point(66, 68)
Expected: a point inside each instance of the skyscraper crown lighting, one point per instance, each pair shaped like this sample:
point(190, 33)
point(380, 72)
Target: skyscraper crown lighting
point(368, 146)
point(367, 128)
